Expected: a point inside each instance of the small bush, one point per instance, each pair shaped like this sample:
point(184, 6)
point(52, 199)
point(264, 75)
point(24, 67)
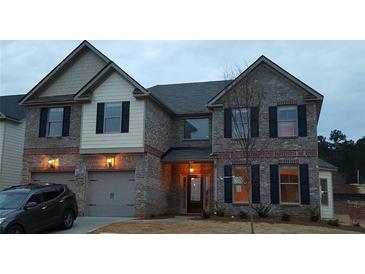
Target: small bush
point(356, 224)
point(205, 214)
point(314, 213)
point(219, 210)
point(285, 217)
point(243, 215)
point(262, 210)
point(333, 222)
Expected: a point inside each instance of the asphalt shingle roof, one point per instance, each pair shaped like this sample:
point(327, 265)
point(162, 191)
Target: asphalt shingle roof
point(180, 154)
point(323, 164)
point(188, 97)
point(10, 108)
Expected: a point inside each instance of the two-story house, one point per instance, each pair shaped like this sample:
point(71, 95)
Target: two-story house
point(126, 150)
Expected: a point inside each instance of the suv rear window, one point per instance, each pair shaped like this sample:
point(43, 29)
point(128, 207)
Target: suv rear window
point(52, 193)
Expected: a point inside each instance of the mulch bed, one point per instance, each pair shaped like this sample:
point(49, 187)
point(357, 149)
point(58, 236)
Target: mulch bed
point(277, 220)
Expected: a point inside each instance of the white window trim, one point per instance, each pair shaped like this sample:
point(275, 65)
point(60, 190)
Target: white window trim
point(58, 121)
point(198, 139)
point(296, 120)
point(299, 197)
point(120, 117)
point(248, 122)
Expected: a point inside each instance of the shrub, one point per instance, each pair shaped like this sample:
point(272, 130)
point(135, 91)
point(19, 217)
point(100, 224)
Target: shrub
point(285, 217)
point(262, 210)
point(314, 213)
point(243, 214)
point(333, 222)
point(205, 214)
point(219, 210)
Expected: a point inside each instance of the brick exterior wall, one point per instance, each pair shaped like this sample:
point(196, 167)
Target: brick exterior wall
point(150, 188)
point(277, 90)
point(32, 129)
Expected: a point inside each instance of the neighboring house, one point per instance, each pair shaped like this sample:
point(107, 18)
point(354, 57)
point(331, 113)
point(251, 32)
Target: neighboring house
point(126, 150)
point(12, 128)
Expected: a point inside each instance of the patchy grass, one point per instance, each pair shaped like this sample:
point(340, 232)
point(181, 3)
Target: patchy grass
point(181, 225)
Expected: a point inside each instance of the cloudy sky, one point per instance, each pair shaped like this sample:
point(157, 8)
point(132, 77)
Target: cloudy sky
point(334, 68)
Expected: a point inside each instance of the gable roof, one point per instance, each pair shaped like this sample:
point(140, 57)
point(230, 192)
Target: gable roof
point(188, 98)
point(75, 52)
point(104, 72)
point(10, 109)
point(314, 95)
point(326, 165)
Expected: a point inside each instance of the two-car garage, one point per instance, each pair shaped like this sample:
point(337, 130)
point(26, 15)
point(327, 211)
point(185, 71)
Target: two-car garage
point(108, 193)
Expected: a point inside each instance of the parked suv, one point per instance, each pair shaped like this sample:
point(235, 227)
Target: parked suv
point(35, 208)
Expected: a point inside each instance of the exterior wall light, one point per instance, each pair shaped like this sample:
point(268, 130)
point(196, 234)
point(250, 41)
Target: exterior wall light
point(110, 162)
point(191, 170)
point(52, 163)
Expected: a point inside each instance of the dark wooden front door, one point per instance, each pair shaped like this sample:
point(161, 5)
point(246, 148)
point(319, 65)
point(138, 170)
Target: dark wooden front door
point(195, 194)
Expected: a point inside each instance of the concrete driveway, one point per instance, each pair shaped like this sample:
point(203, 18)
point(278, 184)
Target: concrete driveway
point(83, 225)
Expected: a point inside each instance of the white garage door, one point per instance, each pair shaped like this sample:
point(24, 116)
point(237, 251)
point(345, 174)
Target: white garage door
point(66, 178)
point(111, 194)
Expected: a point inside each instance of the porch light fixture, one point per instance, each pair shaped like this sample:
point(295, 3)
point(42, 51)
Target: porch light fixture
point(110, 162)
point(52, 163)
point(191, 170)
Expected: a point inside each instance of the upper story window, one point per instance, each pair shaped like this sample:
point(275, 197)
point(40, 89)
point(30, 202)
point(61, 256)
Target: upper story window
point(112, 117)
point(287, 121)
point(289, 184)
point(196, 129)
point(240, 122)
point(54, 122)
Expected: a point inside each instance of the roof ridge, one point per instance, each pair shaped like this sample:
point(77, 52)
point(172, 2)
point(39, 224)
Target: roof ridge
point(186, 83)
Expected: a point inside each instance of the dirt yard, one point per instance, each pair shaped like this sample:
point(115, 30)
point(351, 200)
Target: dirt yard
point(184, 225)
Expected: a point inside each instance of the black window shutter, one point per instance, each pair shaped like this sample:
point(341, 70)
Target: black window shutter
point(254, 117)
point(274, 184)
point(125, 116)
point(227, 123)
point(273, 122)
point(66, 121)
point(255, 173)
point(302, 120)
point(304, 184)
point(228, 184)
point(100, 118)
point(43, 122)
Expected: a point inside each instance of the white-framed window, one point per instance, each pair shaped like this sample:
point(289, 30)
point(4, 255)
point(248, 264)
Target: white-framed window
point(112, 117)
point(289, 184)
point(54, 122)
point(241, 181)
point(196, 129)
point(240, 122)
point(287, 121)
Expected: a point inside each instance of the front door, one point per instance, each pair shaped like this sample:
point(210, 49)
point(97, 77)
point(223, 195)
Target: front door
point(195, 194)
point(326, 197)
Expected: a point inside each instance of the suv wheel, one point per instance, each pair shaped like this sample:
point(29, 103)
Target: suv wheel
point(68, 219)
point(15, 229)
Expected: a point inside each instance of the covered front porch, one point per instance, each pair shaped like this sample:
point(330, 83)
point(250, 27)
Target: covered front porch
point(188, 176)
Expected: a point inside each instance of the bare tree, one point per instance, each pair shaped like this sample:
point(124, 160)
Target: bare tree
point(246, 95)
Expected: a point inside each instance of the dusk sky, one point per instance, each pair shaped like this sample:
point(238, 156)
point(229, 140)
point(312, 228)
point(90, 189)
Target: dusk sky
point(336, 69)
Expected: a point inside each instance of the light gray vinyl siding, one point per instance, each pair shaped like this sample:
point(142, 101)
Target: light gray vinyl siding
point(2, 133)
point(11, 153)
point(114, 89)
point(75, 75)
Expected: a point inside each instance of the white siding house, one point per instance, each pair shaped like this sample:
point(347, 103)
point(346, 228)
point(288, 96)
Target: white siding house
point(114, 89)
point(12, 129)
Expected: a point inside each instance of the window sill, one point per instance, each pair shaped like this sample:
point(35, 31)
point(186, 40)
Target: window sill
point(192, 140)
point(288, 137)
point(54, 137)
point(290, 204)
